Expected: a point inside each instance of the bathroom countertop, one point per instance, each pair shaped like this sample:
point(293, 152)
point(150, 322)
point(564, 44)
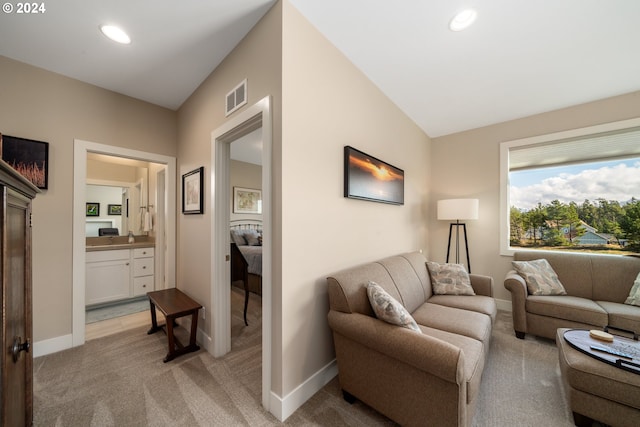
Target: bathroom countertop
point(114, 246)
point(94, 244)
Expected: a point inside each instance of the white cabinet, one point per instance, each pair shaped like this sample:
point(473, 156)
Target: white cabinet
point(108, 276)
point(142, 271)
point(118, 274)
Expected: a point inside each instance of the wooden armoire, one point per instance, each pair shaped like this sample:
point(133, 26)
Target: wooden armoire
point(16, 359)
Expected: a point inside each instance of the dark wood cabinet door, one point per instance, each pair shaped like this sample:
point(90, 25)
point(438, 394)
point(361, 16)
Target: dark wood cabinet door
point(17, 359)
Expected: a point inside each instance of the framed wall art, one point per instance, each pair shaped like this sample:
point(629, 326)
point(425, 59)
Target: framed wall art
point(30, 158)
point(247, 200)
point(192, 191)
point(114, 209)
point(93, 209)
point(368, 178)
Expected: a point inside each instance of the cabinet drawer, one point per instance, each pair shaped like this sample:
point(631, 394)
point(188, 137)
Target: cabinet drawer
point(142, 285)
point(107, 255)
point(143, 252)
point(142, 267)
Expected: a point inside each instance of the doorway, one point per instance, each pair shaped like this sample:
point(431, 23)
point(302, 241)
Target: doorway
point(168, 165)
point(246, 121)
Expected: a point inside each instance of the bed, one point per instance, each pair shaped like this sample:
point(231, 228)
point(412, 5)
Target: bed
point(246, 257)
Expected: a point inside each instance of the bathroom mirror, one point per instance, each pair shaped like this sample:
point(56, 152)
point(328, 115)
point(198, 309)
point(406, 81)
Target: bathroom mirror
point(117, 194)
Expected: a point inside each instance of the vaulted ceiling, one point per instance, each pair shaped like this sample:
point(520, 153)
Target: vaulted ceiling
point(520, 57)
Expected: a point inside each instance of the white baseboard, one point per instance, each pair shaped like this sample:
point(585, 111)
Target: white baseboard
point(52, 345)
point(203, 339)
point(282, 408)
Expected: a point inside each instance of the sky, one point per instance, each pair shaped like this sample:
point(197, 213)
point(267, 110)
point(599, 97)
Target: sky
point(613, 180)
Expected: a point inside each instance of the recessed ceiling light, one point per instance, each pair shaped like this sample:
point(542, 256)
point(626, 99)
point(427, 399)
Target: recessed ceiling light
point(462, 20)
point(116, 34)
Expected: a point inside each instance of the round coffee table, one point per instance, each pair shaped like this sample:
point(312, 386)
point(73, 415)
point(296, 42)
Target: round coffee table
point(596, 389)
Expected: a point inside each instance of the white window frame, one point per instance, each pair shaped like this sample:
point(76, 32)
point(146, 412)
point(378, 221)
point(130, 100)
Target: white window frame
point(505, 147)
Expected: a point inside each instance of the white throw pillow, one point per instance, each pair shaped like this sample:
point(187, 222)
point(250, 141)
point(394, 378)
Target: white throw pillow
point(449, 279)
point(540, 277)
point(389, 309)
point(634, 294)
point(252, 237)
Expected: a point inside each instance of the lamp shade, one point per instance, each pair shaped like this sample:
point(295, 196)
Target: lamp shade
point(458, 209)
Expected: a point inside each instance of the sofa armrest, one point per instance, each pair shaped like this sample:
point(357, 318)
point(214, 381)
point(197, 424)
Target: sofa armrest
point(426, 353)
point(482, 285)
point(516, 284)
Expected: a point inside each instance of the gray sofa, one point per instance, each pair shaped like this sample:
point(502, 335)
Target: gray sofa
point(428, 378)
point(596, 285)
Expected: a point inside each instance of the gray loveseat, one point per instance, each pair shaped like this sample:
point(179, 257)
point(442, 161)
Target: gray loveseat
point(427, 378)
point(596, 285)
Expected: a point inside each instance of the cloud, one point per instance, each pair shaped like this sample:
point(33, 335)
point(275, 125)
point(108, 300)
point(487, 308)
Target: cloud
point(620, 182)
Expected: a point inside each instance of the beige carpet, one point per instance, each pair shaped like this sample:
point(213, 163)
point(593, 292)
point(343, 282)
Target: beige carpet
point(121, 381)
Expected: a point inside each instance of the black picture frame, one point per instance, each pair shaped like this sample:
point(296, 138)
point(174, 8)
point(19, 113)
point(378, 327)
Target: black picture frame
point(369, 178)
point(93, 209)
point(28, 157)
point(193, 192)
point(114, 209)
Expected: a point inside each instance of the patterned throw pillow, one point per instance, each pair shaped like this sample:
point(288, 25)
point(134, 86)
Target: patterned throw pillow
point(634, 295)
point(540, 277)
point(388, 308)
point(449, 279)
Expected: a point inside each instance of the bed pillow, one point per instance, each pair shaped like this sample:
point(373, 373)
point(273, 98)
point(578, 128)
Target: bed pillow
point(237, 237)
point(634, 294)
point(252, 237)
point(387, 308)
point(540, 277)
point(449, 279)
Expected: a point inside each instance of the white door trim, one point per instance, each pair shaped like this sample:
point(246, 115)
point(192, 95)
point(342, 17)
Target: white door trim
point(220, 201)
point(80, 150)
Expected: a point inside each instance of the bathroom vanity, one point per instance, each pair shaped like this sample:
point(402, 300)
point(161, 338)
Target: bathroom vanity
point(117, 270)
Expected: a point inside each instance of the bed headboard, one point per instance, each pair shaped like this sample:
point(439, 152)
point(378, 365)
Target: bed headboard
point(246, 231)
point(246, 224)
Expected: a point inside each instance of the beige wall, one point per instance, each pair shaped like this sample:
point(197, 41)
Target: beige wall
point(467, 165)
point(45, 106)
point(256, 58)
point(327, 104)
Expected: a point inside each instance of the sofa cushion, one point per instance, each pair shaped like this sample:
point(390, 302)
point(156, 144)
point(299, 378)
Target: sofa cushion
point(613, 276)
point(474, 357)
point(449, 279)
point(567, 307)
point(406, 280)
point(388, 308)
point(477, 303)
point(634, 294)
point(540, 277)
point(457, 321)
point(622, 316)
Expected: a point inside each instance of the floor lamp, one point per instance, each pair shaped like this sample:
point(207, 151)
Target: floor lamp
point(458, 209)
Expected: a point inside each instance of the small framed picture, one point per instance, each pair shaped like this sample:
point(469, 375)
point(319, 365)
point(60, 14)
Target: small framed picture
point(247, 200)
point(93, 209)
point(192, 191)
point(30, 158)
point(114, 209)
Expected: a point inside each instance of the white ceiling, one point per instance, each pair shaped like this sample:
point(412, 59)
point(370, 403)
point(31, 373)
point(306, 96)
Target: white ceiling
point(521, 57)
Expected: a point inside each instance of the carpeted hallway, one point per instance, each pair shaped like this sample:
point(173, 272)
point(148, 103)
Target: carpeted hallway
point(121, 381)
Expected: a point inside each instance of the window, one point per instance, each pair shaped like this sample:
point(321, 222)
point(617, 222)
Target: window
point(577, 190)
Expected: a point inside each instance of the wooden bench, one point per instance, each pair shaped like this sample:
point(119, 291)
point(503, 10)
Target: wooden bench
point(174, 304)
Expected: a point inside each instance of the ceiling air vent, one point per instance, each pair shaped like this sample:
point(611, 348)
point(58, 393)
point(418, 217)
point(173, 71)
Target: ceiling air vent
point(236, 98)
